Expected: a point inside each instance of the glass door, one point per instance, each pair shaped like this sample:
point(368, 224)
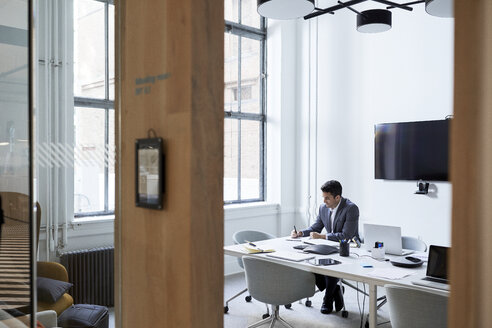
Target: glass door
point(15, 166)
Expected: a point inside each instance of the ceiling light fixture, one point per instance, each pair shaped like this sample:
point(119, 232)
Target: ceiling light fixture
point(369, 21)
point(285, 9)
point(439, 8)
point(374, 21)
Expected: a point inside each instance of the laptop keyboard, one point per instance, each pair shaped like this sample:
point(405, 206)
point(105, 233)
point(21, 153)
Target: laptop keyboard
point(432, 284)
point(435, 280)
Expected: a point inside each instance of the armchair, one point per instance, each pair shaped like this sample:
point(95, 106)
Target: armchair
point(54, 271)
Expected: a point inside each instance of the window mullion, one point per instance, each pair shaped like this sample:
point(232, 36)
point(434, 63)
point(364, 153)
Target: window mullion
point(239, 159)
point(106, 162)
point(106, 51)
point(263, 112)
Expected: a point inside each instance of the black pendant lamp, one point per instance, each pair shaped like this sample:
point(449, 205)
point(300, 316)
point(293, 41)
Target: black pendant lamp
point(374, 21)
point(439, 8)
point(285, 9)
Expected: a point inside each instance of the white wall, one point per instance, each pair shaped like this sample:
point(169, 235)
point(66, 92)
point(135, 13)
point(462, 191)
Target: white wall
point(405, 74)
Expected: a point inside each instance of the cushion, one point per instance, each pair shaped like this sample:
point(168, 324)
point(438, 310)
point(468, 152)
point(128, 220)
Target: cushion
point(50, 290)
point(84, 315)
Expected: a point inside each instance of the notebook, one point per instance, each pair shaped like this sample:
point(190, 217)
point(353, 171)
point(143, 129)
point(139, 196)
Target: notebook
point(256, 250)
point(291, 256)
point(436, 276)
point(389, 235)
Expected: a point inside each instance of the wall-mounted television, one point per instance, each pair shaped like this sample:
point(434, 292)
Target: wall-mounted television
point(412, 150)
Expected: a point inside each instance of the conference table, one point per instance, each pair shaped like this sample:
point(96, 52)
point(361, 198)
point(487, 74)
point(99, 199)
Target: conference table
point(359, 266)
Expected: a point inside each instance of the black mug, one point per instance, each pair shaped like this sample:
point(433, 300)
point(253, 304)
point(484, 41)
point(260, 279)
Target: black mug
point(344, 248)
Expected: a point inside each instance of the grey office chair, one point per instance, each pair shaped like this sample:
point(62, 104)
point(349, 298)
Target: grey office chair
point(241, 237)
point(415, 308)
point(413, 244)
point(276, 284)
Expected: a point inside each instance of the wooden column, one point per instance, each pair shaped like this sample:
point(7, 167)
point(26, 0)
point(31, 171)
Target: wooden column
point(170, 78)
point(471, 167)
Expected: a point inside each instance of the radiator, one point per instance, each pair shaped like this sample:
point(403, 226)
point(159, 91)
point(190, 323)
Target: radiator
point(91, 271)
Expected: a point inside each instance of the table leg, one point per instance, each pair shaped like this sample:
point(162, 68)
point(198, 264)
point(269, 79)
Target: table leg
point(373, 304)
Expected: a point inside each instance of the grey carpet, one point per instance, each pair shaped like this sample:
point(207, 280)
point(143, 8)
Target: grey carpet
point(241, 314)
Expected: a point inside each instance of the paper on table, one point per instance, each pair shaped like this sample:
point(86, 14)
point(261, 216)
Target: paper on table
point(390, 273)
point(292, 256)
point(317, 241)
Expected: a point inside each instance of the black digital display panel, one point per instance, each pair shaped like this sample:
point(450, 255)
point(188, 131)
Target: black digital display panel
point(412, 150)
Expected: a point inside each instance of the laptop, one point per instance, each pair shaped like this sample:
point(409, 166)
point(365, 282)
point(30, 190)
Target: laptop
point(390, 236)
point(437, 275)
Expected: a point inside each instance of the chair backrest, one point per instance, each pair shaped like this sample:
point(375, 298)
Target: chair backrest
point(240, 237)
point(276, 284)
point(413, 244)
point(415, 308)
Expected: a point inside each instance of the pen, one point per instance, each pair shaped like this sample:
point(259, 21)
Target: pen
point(250, 243)
point(295, 230)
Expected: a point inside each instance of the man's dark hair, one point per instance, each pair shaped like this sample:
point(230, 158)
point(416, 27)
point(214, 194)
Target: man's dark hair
point(333, 187)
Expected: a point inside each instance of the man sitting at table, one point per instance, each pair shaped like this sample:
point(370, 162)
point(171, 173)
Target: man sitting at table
point(340, 217)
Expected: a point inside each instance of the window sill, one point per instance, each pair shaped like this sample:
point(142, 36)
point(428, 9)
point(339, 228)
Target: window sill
point(248, 210)
point(93, 219)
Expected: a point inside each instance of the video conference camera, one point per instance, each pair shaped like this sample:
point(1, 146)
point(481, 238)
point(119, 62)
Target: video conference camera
point(423, 187)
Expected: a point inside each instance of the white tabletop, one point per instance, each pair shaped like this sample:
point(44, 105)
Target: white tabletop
point(353, 267)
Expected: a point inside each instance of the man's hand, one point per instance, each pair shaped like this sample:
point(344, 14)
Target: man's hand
point(315, 235)
point(295, 234)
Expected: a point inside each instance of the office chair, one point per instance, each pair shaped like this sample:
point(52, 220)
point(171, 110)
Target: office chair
point(413, 244)
point(415, 308)
point(276, 284)
point(241, 237)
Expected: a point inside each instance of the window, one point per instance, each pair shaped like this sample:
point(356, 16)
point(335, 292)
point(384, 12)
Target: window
point(94, 177)
point(244, 102)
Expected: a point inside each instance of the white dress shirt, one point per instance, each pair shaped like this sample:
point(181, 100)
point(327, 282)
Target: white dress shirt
point(333, 214)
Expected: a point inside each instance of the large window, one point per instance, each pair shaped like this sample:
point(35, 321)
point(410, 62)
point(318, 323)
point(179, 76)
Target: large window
point(94, 178)
point(244, 102)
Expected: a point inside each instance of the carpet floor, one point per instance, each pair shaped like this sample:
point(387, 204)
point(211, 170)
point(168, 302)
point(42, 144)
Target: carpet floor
point(241, 313)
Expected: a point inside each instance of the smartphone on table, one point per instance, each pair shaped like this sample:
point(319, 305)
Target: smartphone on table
point(327, 262)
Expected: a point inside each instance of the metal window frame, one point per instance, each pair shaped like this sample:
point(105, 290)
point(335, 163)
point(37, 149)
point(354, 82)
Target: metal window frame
point(105, 104)
point(245, 31)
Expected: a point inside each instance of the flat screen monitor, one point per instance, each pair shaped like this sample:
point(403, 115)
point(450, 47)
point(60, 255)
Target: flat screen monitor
point(412, 150)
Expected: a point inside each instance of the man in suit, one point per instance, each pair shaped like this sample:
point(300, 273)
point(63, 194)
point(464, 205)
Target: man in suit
point(340, 217)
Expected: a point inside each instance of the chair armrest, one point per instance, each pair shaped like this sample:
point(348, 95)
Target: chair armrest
point(52, 270)
point(47, 318)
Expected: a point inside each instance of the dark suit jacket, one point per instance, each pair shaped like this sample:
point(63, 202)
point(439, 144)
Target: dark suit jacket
point(346, 223)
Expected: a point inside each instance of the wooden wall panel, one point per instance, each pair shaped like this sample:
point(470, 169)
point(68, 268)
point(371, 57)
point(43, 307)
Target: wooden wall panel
point(471, 167)
point(170, 57)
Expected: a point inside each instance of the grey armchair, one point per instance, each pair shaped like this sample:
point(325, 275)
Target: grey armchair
point(276, 284)
point(240, 237)
point(411, 308)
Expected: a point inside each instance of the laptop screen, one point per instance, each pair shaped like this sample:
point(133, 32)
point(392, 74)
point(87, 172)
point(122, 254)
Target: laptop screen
point(437, 264)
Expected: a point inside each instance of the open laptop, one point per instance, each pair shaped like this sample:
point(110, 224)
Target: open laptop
point(436, 276)
point(390, 236)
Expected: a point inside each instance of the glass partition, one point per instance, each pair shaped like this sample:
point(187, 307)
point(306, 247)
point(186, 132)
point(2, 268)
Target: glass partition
point(15, 166)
